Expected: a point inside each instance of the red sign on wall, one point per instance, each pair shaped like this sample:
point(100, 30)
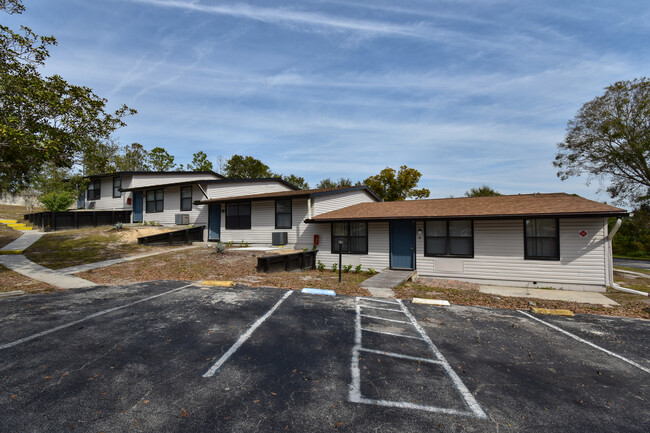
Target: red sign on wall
point(583, 233)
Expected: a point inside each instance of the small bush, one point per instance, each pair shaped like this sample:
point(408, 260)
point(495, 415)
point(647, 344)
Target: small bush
point(357, 269)
point(229, 244)
point(57, 201)
point(220, 248)
point(321, 266)
point(347, 268)
point(314, 248)
point(118, 225)
point(335, 267)
point(371, 271)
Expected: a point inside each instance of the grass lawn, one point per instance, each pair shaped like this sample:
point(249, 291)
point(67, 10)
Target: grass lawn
point(10, 281)
point(234, 265)
point(75, 247)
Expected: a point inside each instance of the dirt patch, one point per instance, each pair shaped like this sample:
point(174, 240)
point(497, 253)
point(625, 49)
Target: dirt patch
point(446, 284)
point(10, 281)
point(131, 234)
point(631, 305)
point(199, 264)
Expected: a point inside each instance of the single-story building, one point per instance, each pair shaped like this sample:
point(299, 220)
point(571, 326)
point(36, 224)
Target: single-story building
point(528, 240)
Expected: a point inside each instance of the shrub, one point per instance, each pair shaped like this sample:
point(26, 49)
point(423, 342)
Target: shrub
point(118, 225)
point(57, 201)
point(357, 269)
point(347, 268)
point(335, 267)
point(220, 248)
point(371, 271)
point(321, 266)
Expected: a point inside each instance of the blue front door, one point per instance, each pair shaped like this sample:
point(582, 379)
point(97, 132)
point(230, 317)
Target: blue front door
point(214, 222)
point(137, 207)
point(402, 245)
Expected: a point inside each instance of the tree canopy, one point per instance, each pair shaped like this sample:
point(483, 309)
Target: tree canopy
point(200, 162)
point(390, 185)
point(43, 119)
point(298, 181)
point(481, 191)
point(246, 167)
point(329, 183)
point(609, 139)
point(160, 160)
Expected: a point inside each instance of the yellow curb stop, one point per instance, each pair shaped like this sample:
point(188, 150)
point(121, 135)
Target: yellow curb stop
point(11, 251)
point(439, 302)
point(551, 311)
point(218, 283)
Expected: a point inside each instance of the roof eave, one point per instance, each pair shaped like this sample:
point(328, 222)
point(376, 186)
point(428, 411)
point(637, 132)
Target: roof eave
point(475, 217)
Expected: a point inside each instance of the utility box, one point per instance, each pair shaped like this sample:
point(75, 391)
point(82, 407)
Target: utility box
point(182, 219)
point(279, 238)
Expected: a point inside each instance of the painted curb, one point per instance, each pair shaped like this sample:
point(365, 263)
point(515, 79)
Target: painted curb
point(11, 251)
point(551, 311)
point(12, 293)
point(439, 302)
point(318, 291)
point(216, 283)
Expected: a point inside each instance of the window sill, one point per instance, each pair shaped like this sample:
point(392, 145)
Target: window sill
point(450, 256)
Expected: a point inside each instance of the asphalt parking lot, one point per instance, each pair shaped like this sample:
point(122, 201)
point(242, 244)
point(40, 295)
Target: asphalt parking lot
point(170, 356)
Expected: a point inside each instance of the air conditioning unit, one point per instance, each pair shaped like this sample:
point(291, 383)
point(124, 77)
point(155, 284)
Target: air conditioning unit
point(182, 219)
point(279, 238)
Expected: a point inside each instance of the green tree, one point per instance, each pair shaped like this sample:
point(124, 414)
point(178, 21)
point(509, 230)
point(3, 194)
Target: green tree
point(102, 158)
point(246, 167)
point(160, 160)
point(329, 183)
point(200, 162)
point(395, 186)
point(298, 181)
point(132, 157)
point(609, 140)
point(481, 191)
point(43, 119)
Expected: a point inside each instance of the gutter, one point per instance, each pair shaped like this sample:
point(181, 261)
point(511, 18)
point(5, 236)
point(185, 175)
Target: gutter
point(617, 226)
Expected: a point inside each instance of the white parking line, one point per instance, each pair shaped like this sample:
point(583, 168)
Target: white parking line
point(381, 308)
point(242, 339)
point(391, 333)
point(400, 356)
point(91, 316)
point(383, 318)
point(379, 300)
point(582, 340)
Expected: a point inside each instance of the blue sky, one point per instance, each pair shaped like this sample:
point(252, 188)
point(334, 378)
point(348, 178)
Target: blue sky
point(467, 92)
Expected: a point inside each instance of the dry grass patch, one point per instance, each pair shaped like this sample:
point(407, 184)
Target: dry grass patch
point(631, 305)
point(10, 280)
point(199, 264)
point(76, 247)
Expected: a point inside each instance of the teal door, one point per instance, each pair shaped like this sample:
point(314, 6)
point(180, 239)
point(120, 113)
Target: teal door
point(214, 222)
point(402, 245)
point(137, 207)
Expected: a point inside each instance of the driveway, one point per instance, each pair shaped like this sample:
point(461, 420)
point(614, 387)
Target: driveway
point(640, 264)
point(171, 356)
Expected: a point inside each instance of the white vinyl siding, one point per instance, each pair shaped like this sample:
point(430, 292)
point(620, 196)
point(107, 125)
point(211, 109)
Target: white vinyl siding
point(236, 189)
point(499, 257)
point(149, 179)
point(331, 202)
point(107, 201)
point(172, 206)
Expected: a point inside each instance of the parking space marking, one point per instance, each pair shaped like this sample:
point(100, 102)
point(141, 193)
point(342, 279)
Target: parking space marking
point(355, 395)
point(400, 356)
point(91, 316)
point(382, 301)
point(245, 336)
point(383, 318)
point(391, 333)
point(582, 340)
point(381, 308)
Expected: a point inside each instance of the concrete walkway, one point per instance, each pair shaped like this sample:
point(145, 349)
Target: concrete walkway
point(381, 285)
point(22, 265)
point(23, 242)
point(553, 295)
point(96, 265)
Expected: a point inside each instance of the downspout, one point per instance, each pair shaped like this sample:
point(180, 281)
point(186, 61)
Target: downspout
point(616, 286)
point(309, 208)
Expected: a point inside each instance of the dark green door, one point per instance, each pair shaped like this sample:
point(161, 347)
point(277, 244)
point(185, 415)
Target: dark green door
point(214, 222)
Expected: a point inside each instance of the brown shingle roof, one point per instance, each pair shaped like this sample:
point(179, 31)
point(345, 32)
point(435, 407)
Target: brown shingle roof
point(288, 194)
point(505, 206)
